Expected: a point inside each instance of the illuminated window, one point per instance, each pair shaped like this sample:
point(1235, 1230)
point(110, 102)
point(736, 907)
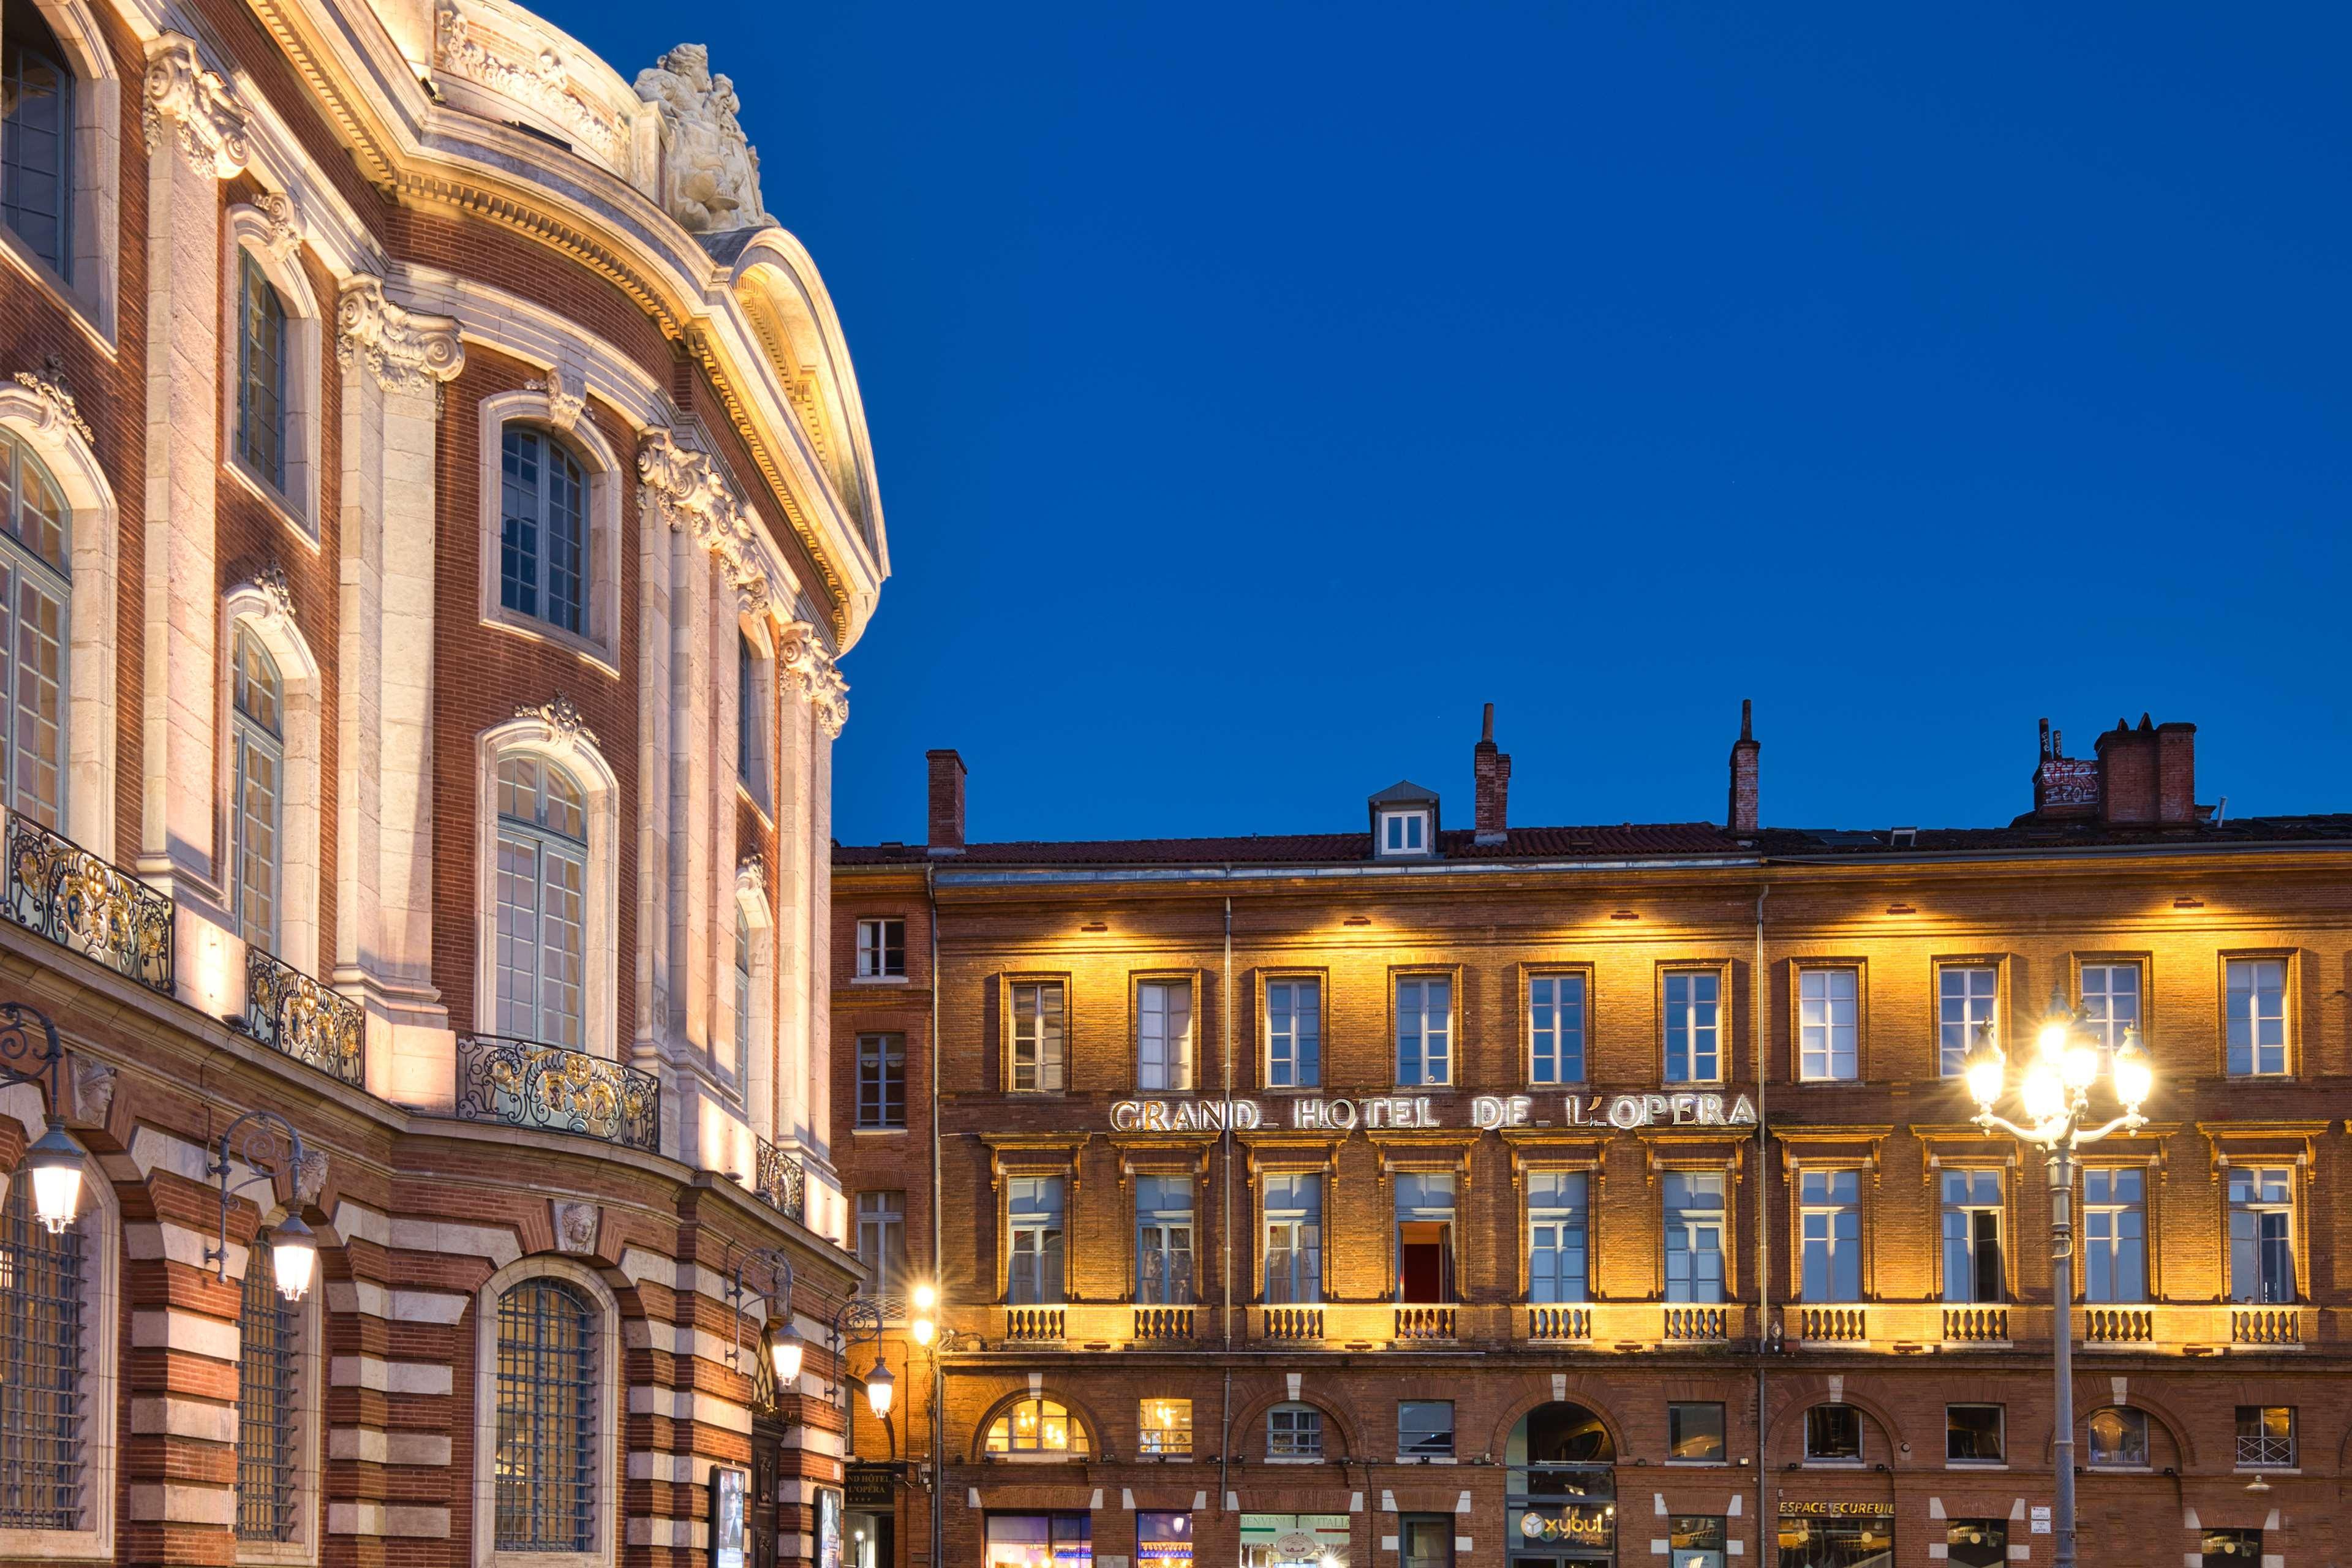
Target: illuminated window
point(1293, 1034)
point(1163, 1240)
point(2110, 1001)
point(1040, 1541)
point(2118, 1437)
point(543, 899)
point(1163, 1540)
point(1829, 1212)
point(548, 1396)
point(1425, 1428)
point(1038, 1023)
point(2115, 1234)
point(1834, 1435)
point(881, 950)
point(1694, 1433)
point(1972, 1434)
point(1036, 1424)
point(1294, 1432)
point(2265, 1435)
point(2230, 1548)
point(1694, 1006)
point(2257, 1017)
point(1556, 1028)
point(1033, 1261)
point(1424, 1030)
point(34, 590)
point(42, 1381)
point(1294, 1238)
point(1556, 1218)
point(1163, 1035)
point(258, 736)
point(1827, 1027)
point(1693, 1224)
point(1965, 996)
point(1166, 1428)
point(2262, 1234)
point(1972, 1272)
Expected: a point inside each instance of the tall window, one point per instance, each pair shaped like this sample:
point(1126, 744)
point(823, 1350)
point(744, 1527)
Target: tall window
point(1829, 1210)
point(261, 354)
point(1293, 1034)
point(41, 1373)
point(1694, 1006)
point(542, 891)
point(1425, 1236)
point(1037, 1035)
point(2115, 1234)
point(546, 1458)
point(743, 990)
point(750, 730)
point(2262, 1232)
point(33, 596)
point(1557, 1220)
point(881, 1080)
point(36, 136)
point(881, 950)
point(1163, 1034)
point(2110, 1001)
point(1828, 1025)
point(542, 529)
point(1973, 1236)
point(1294, 1238)
point(1556, 1028)
point(1694, 1218)
point(1964, 1002)
point(258, 738)
point(268, 1462)
point(1424, 1029)
point(1163, 1240)
point(2257, 1016)
point(1033, 1256)
point(882, 1241)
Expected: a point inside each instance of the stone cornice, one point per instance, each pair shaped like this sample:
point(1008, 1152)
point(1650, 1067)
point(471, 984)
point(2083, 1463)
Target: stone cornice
point(197, 109)
point(407, 352)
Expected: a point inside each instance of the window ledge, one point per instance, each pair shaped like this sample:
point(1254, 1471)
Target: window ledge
point(877, 1132)
point(588, 649)
point(2266, 1470)
point(1700, 1464)
point(765, 812)
point(1294, 1459)
point(79, 307)
point(1428, 1459)
point(270, 495)
point(1975, 1464)
point(877, 979)
point(1832, 1464)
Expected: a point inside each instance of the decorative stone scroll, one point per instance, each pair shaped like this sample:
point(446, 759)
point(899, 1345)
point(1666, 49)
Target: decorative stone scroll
point(564, 408)
point(804, 661)
point(563, 719)
point(271, 584)
point(688, 492)
point(48, 386)
point(284, 224)
point(202, 113)
point(406, 351)
point(540, 80)
point(714, 172)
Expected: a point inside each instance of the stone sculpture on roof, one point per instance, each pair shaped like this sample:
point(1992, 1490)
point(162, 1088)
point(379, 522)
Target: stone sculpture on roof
point(714, 172)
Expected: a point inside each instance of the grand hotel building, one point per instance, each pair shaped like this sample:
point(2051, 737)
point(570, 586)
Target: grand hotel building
point(434, 496)
point(1423, 1195)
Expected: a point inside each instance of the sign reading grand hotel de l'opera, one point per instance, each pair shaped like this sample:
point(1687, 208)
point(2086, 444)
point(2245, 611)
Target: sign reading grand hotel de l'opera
point(1486, 1112)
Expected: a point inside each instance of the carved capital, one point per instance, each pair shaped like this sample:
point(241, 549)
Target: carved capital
point(806, 667)
point(687, 490)
point(405, 352)
point(196, 108)
point(57, 411)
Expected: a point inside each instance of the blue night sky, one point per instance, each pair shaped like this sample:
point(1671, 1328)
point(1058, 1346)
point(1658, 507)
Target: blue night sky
point(1259, 388)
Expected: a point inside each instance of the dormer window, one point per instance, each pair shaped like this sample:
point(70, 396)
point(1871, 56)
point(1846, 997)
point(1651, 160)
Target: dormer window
point(1404, 832)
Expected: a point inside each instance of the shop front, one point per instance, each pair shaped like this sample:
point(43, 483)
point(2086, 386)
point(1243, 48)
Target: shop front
point(1562, 1498)
point(1295, 1540)
point(1836, 1534)
point(1040, 1541)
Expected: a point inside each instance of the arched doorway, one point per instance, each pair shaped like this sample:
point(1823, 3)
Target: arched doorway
point(1561, 1501)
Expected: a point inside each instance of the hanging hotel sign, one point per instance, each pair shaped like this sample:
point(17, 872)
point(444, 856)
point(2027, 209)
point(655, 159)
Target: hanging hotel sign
point(1488, 1113)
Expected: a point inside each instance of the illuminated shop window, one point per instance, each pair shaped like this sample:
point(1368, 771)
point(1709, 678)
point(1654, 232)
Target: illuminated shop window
point(1163, 1540)
point(1976, 1542)
point(1040, 1541)
point(1038, 1427)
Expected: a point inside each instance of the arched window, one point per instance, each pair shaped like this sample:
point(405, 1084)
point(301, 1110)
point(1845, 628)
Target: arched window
point(258, 722)
point(34, 586)
point(742, 990)
point(267, 1461)
point(542, 897)
point(1037, 1428)
point(548, 1394)
point(42, 1378)
point(37, 119)
point(261, 356)
point(543, 529)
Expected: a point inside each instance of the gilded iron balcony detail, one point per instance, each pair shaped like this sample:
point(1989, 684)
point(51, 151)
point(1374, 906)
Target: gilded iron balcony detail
point(296, 1015)
point(524, 1083)
point(782, 1181)
point(60, 890)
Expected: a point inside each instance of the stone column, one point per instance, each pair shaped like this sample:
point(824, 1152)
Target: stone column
point(196, 137)
point(394, 363)
point(817, 708)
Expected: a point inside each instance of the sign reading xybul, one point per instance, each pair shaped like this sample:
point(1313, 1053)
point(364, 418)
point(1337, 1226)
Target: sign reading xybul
point(1623, 1112)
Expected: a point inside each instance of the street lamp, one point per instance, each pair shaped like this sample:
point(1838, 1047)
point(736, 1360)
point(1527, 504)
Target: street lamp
point(55, 1161)
point(269, 1146)
point(2054, 1092)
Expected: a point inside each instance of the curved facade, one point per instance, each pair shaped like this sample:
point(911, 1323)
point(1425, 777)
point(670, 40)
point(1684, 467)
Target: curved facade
point(436, 494)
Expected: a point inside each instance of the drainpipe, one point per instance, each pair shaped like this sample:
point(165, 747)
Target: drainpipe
point(1764, 1337)
point(939, 1367)
point(1225, 1220)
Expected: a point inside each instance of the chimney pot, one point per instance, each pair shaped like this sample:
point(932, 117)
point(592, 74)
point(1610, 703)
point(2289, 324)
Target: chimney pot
point(946, 802)
point(1746, 755)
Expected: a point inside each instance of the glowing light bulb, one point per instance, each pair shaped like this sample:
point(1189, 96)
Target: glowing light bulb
point(2044, 1093)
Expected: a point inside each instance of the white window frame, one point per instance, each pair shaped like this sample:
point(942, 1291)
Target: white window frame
point(2280, 1016)
point(1282, 1046)
point(1818, 1210)
point(250, 738)
point(569, 747)
point(2260, 1208)
point(2104, 1214)
point(1547, 1227)
point(1825, 1041)
point(1978, 1006)
point(1971, 1207)
point(1695, 1224)
point(1549, 1028)
point(885, 1220)
point(1294, 1409)
point(1155, 1232)
point(1705, 1041)
point(577, 433)
point(248, 232)
point(1042, 1224)
point(1164, 1049)
point(2108, 1011)
point(1421, 980)
point(611, 1349)
point(1413, 829)
point(873, 951)
point(1291, 1221)
point(262, 610)
point(1013, 1038)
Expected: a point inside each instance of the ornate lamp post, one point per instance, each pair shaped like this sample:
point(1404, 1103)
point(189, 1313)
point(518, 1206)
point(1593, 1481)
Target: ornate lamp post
point(2055, 1094)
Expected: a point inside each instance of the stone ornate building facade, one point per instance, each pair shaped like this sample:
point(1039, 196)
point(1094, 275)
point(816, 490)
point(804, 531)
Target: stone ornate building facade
point(1423, 1195)
point(434, 496)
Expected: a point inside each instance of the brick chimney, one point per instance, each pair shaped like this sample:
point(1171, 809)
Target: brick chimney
point(946, 802)
point(2148, 775)
point(1746, 751)
point(1491, 771)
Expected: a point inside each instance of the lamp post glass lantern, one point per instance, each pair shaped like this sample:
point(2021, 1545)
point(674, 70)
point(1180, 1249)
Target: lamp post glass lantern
point(2054, 1090)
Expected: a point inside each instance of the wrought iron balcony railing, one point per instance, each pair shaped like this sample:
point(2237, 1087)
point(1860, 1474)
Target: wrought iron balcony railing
point(290, 1012)
point(62, 891)
point(523, 1083)
point(782, 1181)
